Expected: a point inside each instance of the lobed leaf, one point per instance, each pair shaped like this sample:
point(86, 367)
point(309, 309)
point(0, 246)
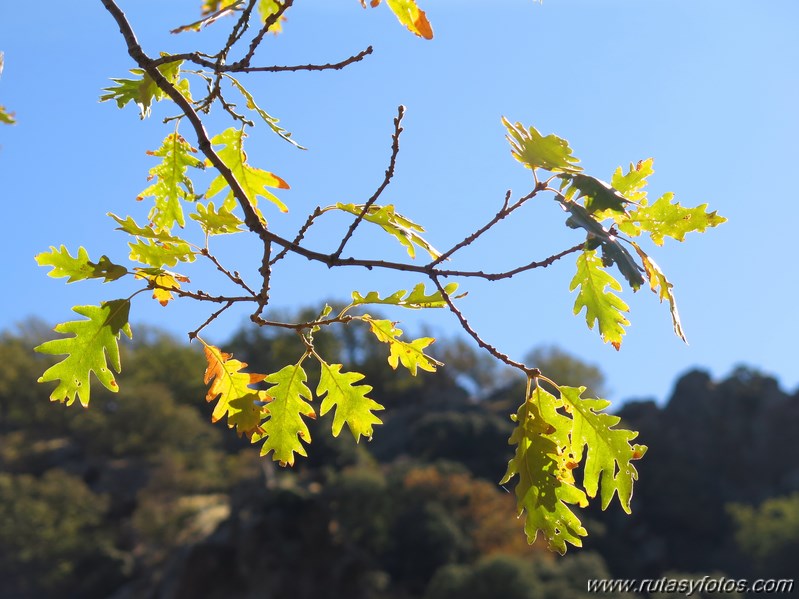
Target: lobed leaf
point(608, 452)
point(534, 151)
point(161, 282)
point(5, 116)
point(631, 184)
point(172, 184)
point(666, 219)
point(160, 248)
point(80, 267)
point(253, 181)
point(416, 299)
point(144, 90)
point(410, 355)
point(545, 488)
point(216, 222)
point(284, 430)
point(231, 388)
point(403, 229)
point(601, 306)
point(352, 406)
point(94, 341)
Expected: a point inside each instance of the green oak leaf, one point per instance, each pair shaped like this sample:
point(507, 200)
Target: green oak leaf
point(284, 429)
point(172, 183)
point(271, 121)
point(154, 248)
point(601, 306)
point(403, 229)
point(666, 219)
point(352, 406)
point(216, 222)
point(158, 254)
point(608, 450)
point(416, 299)
point(253, 181)
point(80, 267)
point(661, 286)
point(410, 355)
point(545, 488)
point(631, 184)
point(142, 91)
point(597, 194)
point(534, 151)
point(93, 341)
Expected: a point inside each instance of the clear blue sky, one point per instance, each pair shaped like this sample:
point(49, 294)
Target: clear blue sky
point(709, 89)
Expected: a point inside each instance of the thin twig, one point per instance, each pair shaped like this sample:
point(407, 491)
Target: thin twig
point(503, 212)
point(193, 334)
point(301, 326)
point(268, 23)
point(300, 235)
point(473, 334)
point(233, 276)
point(386, 180)
point(334, 66)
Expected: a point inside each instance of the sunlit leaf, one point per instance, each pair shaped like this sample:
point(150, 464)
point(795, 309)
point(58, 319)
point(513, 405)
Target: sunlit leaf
point(231, 388)
point(661, 286)
point(93, 341)
point(80, 267)
point(410, 15)
point(403, 229)
point(271, 121)
point(534, 150)
point(410, 354)
point(253, 181)
point(143, 91)
point(601, 306)
point(414, 299)
point(162, 281)
point(284, 430)
point(666, 219)
point(545, 488)
point(171, 182)
point(216, 222)
point(352, 406)
point(607, 466)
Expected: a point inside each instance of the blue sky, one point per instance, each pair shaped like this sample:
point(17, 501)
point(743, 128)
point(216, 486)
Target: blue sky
point(709, 89)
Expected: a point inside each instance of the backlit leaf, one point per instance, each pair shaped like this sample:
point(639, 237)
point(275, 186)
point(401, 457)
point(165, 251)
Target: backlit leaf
point(410, 354)
point(631, 184)
point(666, 219)
point(253, 181)
point(232, 389)
point(545, 488)
point(608, 466)
point(216, 222)
point(352, 406)
point(410, 15)
point(601, 306)
point(403, 229)
point(534, 151)
point(662, 288)
point(93, 341)
point(161, 282)
point(284, 430)
point(414, 299)
point(267, 118)
point(80, 267)
point(142, 91)
point(171, 182)
point(154, 248)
